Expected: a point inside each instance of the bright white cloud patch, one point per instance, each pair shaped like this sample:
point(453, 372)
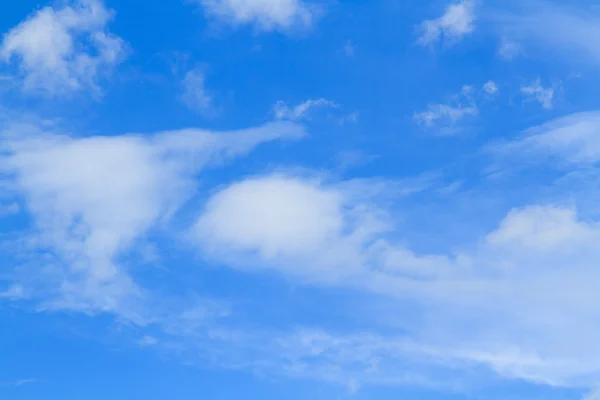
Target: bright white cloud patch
point(93, 198)
point(61, 50)
point(302, 110)
point(290, 223)
point(275, 215)
point(265, 15)
point(543, 95)
point(456, 22)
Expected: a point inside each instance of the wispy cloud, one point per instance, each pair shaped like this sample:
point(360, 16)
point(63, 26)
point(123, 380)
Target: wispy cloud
point(148, 341)
point(572, 139)
point(507, 282)
point(19, 382)
point(445, 112)
point(490, 87)
point(14, 292)
point(532, 26)
point(321, 235)
point(194, 93)
point(264, 15)
point(595, 395)
point(543, 95)
point(327, 233)
point(349, 49)
point(456, 22)
point(301, 111)
point(462, 105)
point(509, 49)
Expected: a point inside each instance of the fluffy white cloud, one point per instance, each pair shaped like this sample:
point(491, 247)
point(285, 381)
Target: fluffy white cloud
point(195, 95)
point(93, 198)
point(274, 215)
point(540, 93)
point(61, 50)
point(289, 223)
point(302, 110)
point(265, 15)
point(456, 22)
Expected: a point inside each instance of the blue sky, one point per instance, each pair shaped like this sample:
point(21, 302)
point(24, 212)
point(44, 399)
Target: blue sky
point(299, 199)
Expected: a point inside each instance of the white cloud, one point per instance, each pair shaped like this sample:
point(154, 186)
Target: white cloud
point(541, 229)
point(303, 227)
point(59, 51)
point(265, 15)
point(522, 287)
point(93, 198)
point(508, 49)
point(573, 139)
point(302, 110)
point(456, 22)
point(540, 93)
point(286, 222)
point(462, 105)
point(490, 87)
point(534, 25)
point(506, 303)
point(195, 95)
point(295, 219)
point(445, 112)
point(595, 395)
point(146, 341)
